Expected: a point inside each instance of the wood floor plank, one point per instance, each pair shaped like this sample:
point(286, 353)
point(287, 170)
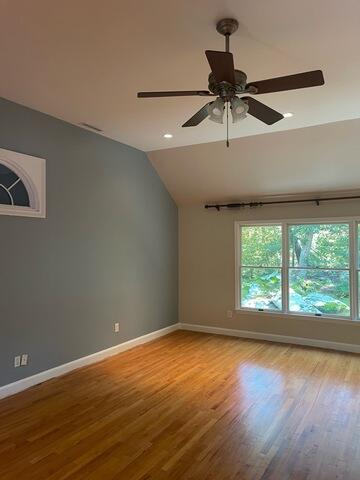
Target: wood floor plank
point(190, 406)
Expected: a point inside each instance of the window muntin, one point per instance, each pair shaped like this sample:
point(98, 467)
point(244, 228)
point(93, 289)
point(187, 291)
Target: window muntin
point(322, 281)
point(12, 188)
point(260, 269)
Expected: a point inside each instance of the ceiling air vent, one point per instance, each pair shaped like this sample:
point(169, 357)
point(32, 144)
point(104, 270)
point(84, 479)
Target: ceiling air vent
point(91, 127)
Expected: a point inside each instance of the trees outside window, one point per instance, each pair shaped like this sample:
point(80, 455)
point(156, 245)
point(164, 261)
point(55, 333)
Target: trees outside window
point(261, 254)
point(298, 267)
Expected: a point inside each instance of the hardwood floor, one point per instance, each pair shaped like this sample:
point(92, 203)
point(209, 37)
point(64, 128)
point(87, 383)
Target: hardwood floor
point(190, 406)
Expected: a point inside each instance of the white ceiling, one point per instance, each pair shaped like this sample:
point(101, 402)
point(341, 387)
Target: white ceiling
point(324, 158)
point(84, 61)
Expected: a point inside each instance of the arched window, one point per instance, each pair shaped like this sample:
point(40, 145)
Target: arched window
point(12, 188)
point(22, 184)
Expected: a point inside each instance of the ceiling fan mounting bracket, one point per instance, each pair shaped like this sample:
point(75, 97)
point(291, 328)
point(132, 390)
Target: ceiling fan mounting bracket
point(227, 26)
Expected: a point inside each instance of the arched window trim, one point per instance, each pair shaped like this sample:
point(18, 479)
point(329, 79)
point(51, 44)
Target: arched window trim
point(31, 171)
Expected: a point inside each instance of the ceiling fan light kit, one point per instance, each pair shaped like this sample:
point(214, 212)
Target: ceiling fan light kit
point(215, 110)
point(239, 109)
point(229, 85)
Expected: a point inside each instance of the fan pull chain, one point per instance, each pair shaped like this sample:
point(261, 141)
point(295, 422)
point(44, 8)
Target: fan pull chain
point(227, 124)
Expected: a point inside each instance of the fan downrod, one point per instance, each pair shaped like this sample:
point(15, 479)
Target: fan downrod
point(226, 27)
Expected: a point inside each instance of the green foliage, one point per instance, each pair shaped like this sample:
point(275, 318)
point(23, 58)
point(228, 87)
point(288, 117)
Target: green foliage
point(321, 246)
point(261, 288)
point(261, 246)
point(313, 250)
point(326, 290)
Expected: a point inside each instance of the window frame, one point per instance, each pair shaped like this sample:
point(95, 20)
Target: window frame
point(239, 266)
point(32, 172)
point(354, 267)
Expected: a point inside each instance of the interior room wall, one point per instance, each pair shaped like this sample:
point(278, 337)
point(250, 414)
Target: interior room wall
point(105, 253)
point(207, 272)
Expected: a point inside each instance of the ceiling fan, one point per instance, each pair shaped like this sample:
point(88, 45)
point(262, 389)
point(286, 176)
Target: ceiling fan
point(228, 84)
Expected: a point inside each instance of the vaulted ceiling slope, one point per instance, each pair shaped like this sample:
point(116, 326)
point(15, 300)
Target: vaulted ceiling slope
point(324, 158)
point(84, 61)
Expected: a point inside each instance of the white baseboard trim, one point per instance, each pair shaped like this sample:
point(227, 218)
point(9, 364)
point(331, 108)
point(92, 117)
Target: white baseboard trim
point(28, 382)
point(309, 342)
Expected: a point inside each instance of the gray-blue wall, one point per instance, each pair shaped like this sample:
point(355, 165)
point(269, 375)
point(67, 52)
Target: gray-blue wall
point(106, 252)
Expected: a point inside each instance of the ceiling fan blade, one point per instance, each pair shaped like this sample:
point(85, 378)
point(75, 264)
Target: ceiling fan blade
point(289, 82)
point(262, 112)
point(198, 117)
point(201, 93)
point(222, 66)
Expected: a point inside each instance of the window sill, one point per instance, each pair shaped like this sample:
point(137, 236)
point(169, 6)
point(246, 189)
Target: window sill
point(293, 316)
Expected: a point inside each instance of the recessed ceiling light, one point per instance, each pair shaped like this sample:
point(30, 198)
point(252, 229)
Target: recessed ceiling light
point(168, 135)
point(288, 115)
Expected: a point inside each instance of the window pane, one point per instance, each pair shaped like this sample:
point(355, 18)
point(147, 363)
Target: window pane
point(261, 288)
point(20, 195)
point(261, 246)
point(323, 245)
point(5, 198)
point(358, 243)
point(7, 176)
point(358, 278)
point(319, 291)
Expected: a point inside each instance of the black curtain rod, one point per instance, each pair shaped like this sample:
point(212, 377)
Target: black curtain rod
point(278, 202)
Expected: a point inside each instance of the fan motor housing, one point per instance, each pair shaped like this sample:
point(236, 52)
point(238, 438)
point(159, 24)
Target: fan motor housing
point(226, 90)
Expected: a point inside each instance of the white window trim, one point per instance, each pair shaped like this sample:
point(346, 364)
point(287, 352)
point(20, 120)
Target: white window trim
point(354, 224)
point(31, 170)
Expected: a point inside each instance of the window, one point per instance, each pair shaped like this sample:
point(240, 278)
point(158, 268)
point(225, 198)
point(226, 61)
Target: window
point(22, 184)
point(260, 271)
point(357, 262)
point(12, 188)
point(299, 268)
point(319, 269)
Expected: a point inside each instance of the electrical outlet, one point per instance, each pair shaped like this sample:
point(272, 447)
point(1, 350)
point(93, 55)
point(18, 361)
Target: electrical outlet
point(17, 361)
point(229, 314)
point(24, 359)
point(116, 327)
